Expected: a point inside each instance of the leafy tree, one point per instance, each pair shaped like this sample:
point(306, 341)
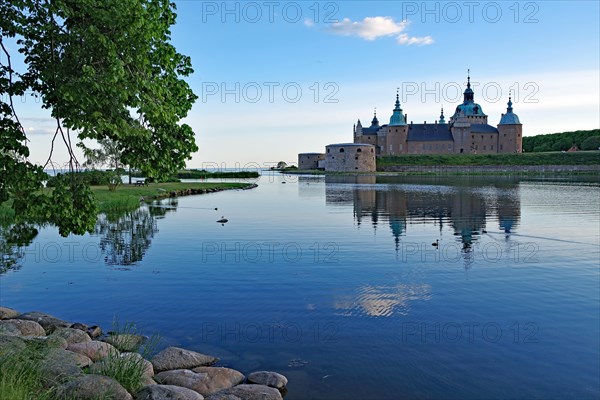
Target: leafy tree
point(106, 71)
point(561, 145)
point(108, 155)
point(281, 165)
point(591, 143)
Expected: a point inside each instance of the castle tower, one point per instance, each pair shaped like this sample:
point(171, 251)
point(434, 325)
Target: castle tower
point(395, 142)
point(510, 131)
point(442, 120)
point(469, 109)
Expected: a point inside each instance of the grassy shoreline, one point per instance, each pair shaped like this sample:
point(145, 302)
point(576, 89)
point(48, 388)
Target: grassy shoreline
point(127, 197)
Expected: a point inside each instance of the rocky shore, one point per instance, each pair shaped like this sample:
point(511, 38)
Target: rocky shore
point(78, 361)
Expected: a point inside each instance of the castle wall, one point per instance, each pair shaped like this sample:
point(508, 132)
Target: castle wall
point(350, 157)
point(510, 138)
point(430, 147)
point(309, 160)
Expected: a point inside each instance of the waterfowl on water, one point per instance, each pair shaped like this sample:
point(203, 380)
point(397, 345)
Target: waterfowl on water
point(436, 244)
point(222, 220)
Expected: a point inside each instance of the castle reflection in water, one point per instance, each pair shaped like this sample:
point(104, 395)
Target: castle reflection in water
point(397, 202)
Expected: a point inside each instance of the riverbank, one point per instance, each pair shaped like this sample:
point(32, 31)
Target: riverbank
point(128, 197)
point(46, 358)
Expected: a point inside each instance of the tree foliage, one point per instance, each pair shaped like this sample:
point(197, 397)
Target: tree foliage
point(557, 141)
point(106, 71)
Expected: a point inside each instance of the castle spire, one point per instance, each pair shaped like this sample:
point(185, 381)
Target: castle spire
point(509, 109)
point(468, 91)
point(442, 120)
point(397, 118)
point(375, 121)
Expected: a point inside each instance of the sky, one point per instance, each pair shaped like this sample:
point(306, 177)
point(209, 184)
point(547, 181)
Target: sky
point(278, 78)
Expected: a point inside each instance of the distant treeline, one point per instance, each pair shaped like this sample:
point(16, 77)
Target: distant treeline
point(91, 177)
point(203, 174)
point(584, 140)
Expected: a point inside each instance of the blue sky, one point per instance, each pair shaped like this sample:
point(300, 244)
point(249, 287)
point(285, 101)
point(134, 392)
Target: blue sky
point(252, 60)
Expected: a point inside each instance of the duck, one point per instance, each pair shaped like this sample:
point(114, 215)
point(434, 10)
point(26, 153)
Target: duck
point(436, 244)
point(222, 220)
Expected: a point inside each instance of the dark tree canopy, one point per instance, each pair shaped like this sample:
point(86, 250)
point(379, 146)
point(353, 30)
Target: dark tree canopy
point(106, 71)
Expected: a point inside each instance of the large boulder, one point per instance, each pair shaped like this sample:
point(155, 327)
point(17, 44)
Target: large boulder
point(7, 313)
point(204, 380)
point(126, 341)
point(167, 392)
point(25, 327)
point(178, 358)
point(92, 387)
point(49, 322)
point(51, 342)
point(71, 335)
point(247, 392)
point(9, 329)
point(267, 378)
point(95, 350)
point(60, 366)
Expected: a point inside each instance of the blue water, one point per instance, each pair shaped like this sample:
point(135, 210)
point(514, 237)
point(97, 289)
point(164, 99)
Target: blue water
point(335, 283)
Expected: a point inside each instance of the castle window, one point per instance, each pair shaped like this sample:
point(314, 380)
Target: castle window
point(492, 147)
point(356, 158)
point(328, 150)
point(500, 147)
point(505, 135)
point(481, 136)
point(371, 150)
point(472, 136)
point(341, 150)
point(484, 148)
point(359, 150)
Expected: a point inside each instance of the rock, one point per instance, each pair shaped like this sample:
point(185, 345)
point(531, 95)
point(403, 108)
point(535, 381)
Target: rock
point(147, 381)
point(80, 326)
point(25, 327)
point(69, 357)
point(177, 358)
point(7, 313)
point(71, 335)
point(94, 331)
point(124, 359)
point(247, 392)
point(47, 321)
point(126, 341)
point(95, 350)
point(204, 380)
point(51, 342)
point(167, 392)
point(10, 344)
point(267, 378)
point(91, 387)
point(60, 366)
point(9, 330)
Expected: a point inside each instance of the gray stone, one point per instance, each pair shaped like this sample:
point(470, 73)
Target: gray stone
point(95, 350)
point(27, 328)
point(94, 331)
point(133, 359)
point(52, 342)
point(47, 321)
point(247, 392)
point(9, 330)
point(10, 344)
point(147, 381)
point(267, 378)
point(60, 366)
point(92, 387)
point(7, 313)
point(167, 392)
point(68, 357)
point(80, 326)
point(71, 335)
point(126, 341)
point(204, 380)
point(177, 358)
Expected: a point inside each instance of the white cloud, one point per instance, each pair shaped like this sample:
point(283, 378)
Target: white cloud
point(406, 40)
point(309, 22)
point(371, 28)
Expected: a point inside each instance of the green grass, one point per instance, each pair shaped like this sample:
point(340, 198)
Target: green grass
point(549, 158)
point(128, 371)
point(21, 376)
point(127, 197)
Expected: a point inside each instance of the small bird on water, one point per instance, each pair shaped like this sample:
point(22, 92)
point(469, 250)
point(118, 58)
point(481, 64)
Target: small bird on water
point(437, 242)
point(222, 220)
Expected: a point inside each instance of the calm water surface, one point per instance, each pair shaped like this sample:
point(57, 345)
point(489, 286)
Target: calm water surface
point(335, 283)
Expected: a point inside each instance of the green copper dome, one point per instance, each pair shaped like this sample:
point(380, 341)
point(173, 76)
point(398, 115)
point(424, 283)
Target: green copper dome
point(509, 118)
point(397, 118)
